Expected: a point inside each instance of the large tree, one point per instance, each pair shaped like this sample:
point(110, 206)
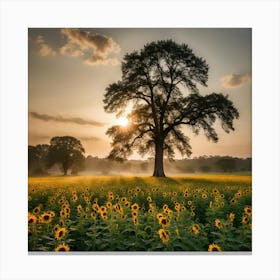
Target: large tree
point(161, 81)
point(66, 151)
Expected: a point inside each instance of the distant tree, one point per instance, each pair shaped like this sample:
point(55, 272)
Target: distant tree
point(154, 80)
point(226, 164)
point(204, 168)
point(37, 158)
point(67, 152)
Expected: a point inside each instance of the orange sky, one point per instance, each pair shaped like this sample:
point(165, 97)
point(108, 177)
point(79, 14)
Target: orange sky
point(68, 72)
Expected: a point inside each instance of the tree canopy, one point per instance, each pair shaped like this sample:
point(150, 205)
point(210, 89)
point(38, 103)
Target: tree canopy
point(161, 81)
point(66, 151)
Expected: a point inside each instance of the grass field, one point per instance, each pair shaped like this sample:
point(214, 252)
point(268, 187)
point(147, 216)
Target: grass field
point(186, 213)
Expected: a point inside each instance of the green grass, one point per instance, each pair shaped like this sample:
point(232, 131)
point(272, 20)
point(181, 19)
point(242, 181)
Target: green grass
point(185, 202)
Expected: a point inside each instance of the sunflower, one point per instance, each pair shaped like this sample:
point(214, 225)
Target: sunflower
point(150, 211)
point(37, 210)
point(177, 208)
point(60, 233)
point(45, 218)
point(79, 208)
point(189, 202)
point(195, 228)
point(215, 191)
point(239, 193)
point(164, 222)
point(103, 209)
point(135, 207)
point(74, 198)
point(135, 220)
point(62, 214)
point(204, 195)
point(51, 213)
point(233, 201)
point(104, 216)
point(218, 224)
point(123, 199)
point(192, 213)
point(245, 220)
point(231, 217)
point(32, 219)
point(62, 248)
point(214, 248)
point(165, 207)
point(159, 216)
point(248, 211)
point(163, 235)
point(210, 204)
point(127, 204)
point(149, 199)
point(174, 193)
point(109, 204)
point(170, 212)
point(134, 213)
point(56, 228)
point(95, 207)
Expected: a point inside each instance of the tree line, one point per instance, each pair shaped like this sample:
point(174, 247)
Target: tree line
point(66, 155)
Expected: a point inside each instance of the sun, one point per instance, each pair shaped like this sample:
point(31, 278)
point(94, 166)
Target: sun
point(122, 121)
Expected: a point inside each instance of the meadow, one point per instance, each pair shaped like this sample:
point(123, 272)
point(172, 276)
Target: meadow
point(115, 213)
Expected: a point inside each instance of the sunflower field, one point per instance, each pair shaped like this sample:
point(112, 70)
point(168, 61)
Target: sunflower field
point(194, 213)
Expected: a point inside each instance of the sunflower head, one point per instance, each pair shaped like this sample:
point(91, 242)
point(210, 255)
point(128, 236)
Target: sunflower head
point(214, 248)
point(231, 217)
point(109, 204)
point(218, 224)
point(62, 248)
point(195, 228)
point(245, 220)
point(45, 218)
point(37, 210)
point(135, 207)
point(164, 222)
point(204, 195)
point(248, 211)
point(163, 235)
point(60, 233)
point(32, 219)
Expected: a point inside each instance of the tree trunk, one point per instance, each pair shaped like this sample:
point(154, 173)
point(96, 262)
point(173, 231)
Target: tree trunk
point(158, 168)
point(65, 168)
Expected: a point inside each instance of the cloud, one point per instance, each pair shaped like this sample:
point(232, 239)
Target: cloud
point(89, 138)
point(235, 80)
point(74, 120)
point(95, 49)
point(44, 49)
point(35, 137)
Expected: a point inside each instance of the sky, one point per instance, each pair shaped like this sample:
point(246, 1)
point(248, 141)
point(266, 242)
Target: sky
point(70, 68)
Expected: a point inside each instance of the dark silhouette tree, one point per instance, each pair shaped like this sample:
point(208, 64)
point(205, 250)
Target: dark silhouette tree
point(161, 81)
point(66, 151)
point(37, 158)
point(226, 164)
